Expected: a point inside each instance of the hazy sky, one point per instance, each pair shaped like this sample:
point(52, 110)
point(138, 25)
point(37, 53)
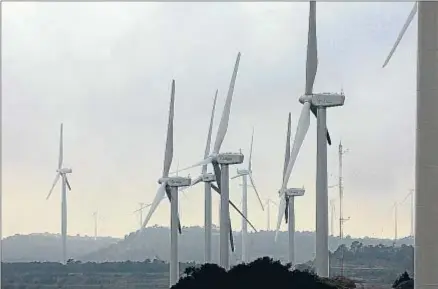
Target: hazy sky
point(104, 69)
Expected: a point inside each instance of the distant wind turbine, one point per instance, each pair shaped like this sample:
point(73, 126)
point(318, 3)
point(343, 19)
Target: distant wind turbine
point(95, 225)
point(140, 211)
point(268, 212)
point(244, 174)
point(412, 203)
point(62, 173)
point(287, 202)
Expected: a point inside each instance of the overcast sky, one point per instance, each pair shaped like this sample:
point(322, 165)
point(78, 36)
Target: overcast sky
point(105, 69)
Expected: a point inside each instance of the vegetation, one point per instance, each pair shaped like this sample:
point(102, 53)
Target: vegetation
point(404, 281)
point(373, 264)
point(261, 273)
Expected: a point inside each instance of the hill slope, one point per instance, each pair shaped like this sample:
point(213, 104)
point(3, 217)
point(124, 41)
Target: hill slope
point(47, 247)
point(155, 242)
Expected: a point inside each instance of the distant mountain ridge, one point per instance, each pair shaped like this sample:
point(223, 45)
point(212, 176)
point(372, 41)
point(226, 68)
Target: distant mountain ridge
point(47, 247)
point(154, 242)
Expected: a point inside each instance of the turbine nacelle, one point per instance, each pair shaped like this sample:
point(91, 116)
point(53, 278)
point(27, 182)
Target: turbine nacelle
point(324, 99)
point(293, 192)
point(243, 172)
point(64, 171)
point(208, 178)
point(176, 181)
point(229, 158)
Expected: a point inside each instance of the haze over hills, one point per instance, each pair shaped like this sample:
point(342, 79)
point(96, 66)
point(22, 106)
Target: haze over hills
point(47, 247)
point(154, 242)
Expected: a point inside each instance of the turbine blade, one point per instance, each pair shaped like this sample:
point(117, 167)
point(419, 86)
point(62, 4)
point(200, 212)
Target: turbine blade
point(231, 236)
point(168, 155)
point(315, 113)
point(61, 148)
point(255, 190)
point(302, 128)
point(53, 186)
point(236, 176)
point(312, 58)
point(157, 200)
point(234, 206)
point(67, 183)
point(312, 50)
point(169, 197)
point(210, 128)
point(217, 173)
point(286, 210)
point(201, 163)
point(281, 208)
point(250, 152)
point(142, 208)
point(402, 33)
point(223, 125)
point(287, 152)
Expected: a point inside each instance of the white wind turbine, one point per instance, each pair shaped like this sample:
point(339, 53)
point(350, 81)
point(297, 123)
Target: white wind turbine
point(208, 179)
point(142, 206)
point(287, 202)
point(221, 163)
point(95, 225)
point(317, 103)
point(426, 161)
point(244, 174)
point(62, 173)
point(169, 186)
point(268, 211)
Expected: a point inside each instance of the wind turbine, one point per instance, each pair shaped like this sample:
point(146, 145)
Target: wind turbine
point(244, 174)
point(169, 186)
point(287, 202)
point(140, 211)
point(411, 195)
point(268, 211)
point(426, 162)
point(62, 172)
point(395, 207)
point(95, 225)
point(221, 163)
point(318, 104)
point(208, 179)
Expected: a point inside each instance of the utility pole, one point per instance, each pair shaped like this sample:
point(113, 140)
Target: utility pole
point(341, 152)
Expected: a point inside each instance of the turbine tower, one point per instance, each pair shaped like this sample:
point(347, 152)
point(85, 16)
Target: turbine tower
point(95, 225)
point(169, 186)
point(62, 172)
point(317, 103)
point(287, 202)
point(244, 174)
point(426, 161)
point(268, 211)
point(411, 195)
point(221, 163)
